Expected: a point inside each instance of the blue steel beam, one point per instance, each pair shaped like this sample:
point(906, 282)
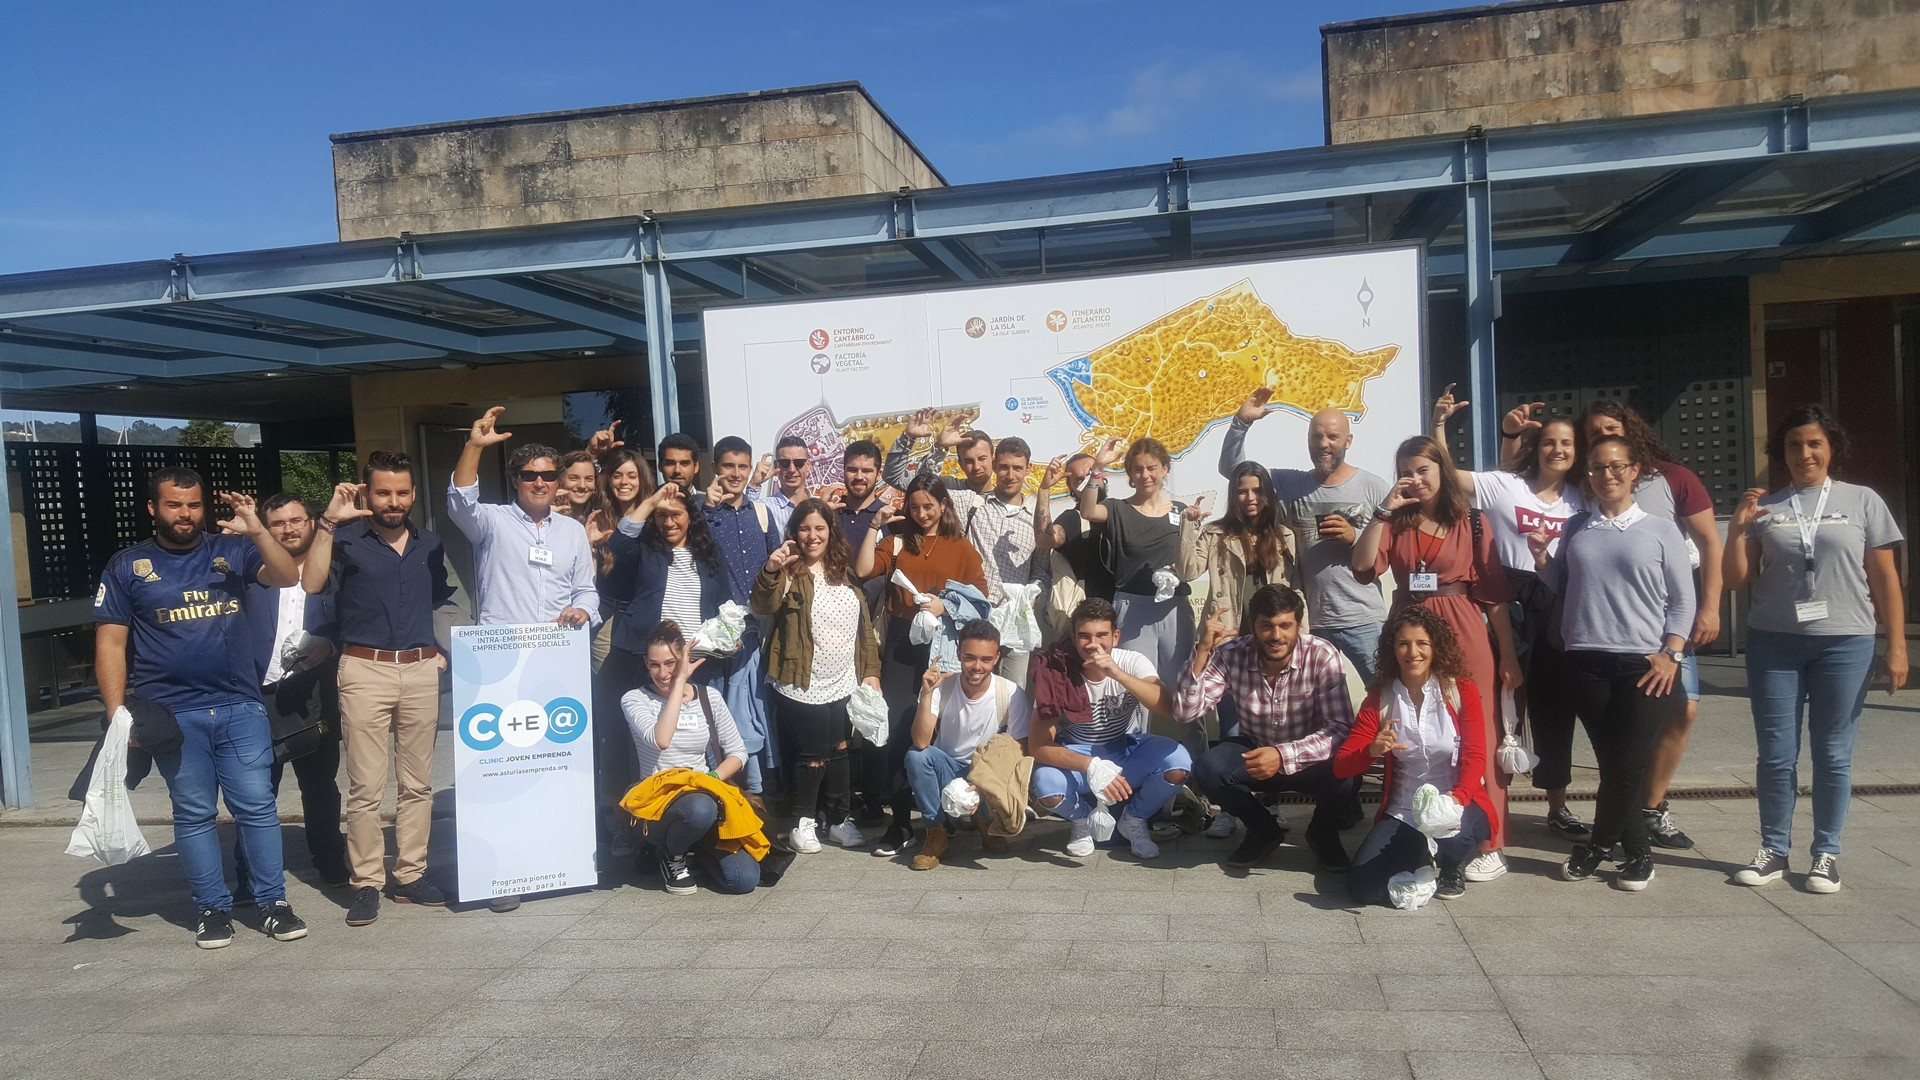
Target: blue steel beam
point(395, 326)
point(560, 305)
point(663, 380)
point(1481, 298)
point(1427, 216)
point(16, 352)
point(1674, 199)
point(53, 380)
point(132, 329)
point(16, 772)
point(1891, 198)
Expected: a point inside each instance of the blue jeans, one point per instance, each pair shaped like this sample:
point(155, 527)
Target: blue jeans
point(929, 772)
point(1360, 644)
point(1144, 760)
point(1826, 674)
point(686, 830)
point(744, 689)
point(226, 752)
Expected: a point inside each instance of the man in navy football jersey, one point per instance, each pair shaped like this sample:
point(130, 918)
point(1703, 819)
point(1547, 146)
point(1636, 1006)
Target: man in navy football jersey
point(177, 599)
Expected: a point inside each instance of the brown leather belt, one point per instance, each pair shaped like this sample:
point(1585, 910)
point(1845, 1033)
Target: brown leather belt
point(388, 656)
point(1452, 588)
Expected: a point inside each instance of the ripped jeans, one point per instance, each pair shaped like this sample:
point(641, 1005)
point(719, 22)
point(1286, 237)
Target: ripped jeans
point(1144, 760)
point(817, 735)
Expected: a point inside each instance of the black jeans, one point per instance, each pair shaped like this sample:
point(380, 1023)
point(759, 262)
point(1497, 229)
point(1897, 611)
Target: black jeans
point(1550, 718)
point(1623, 723)
point(312, 693)
point(1395, 847)
point(1222, 777)
point(817, 737)
point(614, 765)
point(883, 771)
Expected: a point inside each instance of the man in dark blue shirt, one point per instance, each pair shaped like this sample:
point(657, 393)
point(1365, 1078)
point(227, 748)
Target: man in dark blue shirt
point(177, 599)
point(389, 577)
point(744, 532)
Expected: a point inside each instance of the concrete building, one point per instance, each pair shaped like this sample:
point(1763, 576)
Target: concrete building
point(771, 146)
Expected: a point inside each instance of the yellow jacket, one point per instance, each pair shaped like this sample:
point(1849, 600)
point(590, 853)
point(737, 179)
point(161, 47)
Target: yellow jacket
point(740, 827)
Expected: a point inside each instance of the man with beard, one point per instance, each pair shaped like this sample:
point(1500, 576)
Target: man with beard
point(1294, 713)
point(297, 636)
point(170, 638)
point(679, 460)
point(388, 577)
point(855, 506)
point(1326, 509)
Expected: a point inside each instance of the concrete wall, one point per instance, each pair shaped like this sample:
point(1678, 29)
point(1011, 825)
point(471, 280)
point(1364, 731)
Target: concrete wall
point(617, 162)
point(1548, 63)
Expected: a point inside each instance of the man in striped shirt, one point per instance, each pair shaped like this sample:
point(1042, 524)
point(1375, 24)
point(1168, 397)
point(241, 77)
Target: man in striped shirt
point(1291, 693)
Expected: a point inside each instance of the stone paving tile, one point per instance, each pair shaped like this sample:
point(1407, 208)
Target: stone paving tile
point(1456, 1030)
point(574, 954)
point(801, 1059)
point(1647, 945)
point(328, 1001)
point(1841, 929)
point(1473, 1065)
point(1022, 901)
point(604, 1058)
point(1761, 1060)
point(1286, 995)
point(1023, 954)
point(770, 954)
point(1118, 927)
point(950, 1055)
point(1309, 957)
point(181, 1056)
point(528, 984)
point(1222, 905)
point(1425, 993)
point(1898, 965)
point(1212, 1063)
point(422, 1059)
point(1120, 954)
point(685, 983)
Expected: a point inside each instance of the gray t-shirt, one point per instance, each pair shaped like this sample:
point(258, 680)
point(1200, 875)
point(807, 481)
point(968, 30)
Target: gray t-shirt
point(1334, 599)
point(1625, 590)
point(1856, 518)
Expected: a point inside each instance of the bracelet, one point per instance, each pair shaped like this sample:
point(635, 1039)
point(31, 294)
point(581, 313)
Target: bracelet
point(323, 524)
point(1382, 511)
point(1505, 434)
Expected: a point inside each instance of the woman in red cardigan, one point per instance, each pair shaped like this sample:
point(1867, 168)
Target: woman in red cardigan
point(1423, 716)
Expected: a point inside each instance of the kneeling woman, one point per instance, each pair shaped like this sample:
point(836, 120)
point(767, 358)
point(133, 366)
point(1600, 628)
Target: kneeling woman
point(674, 723)
point(1423, 716)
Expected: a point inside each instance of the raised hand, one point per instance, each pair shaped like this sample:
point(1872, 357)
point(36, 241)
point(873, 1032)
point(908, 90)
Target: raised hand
point(951, 434)
point(485, 430)
point(931, 679)
point(245, 521)
point(1520, 418)
point(1537, 542)
point(1108, 453)
point(1098, 666)
point(346, 504)
point(1054, 471)
point(1255, 406)
point(687, 666)
point(883, 516)
point(1445, 406)
point(1749, 510)
point(1386, 741)
point(762, 471)
point(837, 499)
point(604, 440)
point(782, 557)
point(1201, 508)
point(1399, 496)
point(921, 426)
point(1216, 630)
point(599, 528)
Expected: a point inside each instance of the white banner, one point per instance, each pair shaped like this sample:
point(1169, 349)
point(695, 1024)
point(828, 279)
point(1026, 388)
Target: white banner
point(522, 759)
point(1068, 362)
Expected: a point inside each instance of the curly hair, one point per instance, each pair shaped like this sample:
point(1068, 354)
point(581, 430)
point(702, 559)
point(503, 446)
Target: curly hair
point(935, 487)
point(1448, 661)
point(1260, 534)
point(1646, 446)
point(1526, 462)
point(699, 538)
point(1450, 502)
point(836, 563)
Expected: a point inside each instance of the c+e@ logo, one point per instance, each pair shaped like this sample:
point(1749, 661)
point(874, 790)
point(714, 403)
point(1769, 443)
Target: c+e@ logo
point(522, 724)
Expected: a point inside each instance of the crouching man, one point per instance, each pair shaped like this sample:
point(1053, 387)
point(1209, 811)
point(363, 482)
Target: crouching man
point(956, 717)
point(1089, 740)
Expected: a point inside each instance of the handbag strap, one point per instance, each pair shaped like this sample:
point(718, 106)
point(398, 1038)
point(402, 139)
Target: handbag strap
point(713, 730)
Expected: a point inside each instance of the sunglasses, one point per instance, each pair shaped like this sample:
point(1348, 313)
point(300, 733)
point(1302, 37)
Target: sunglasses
point(793, 463)
point(528, 476)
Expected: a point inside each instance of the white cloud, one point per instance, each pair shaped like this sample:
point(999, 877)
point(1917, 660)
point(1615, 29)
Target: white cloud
point(1158, 96)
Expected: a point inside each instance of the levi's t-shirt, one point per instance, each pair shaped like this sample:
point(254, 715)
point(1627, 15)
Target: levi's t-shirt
point(1513, 511)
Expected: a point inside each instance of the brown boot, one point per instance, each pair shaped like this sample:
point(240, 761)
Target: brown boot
point(931, 848)
point(993, 843)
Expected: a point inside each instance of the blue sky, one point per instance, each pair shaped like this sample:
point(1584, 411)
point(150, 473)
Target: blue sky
point(135, 131)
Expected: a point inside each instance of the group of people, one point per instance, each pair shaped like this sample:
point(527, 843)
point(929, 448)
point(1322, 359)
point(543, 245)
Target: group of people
point(1569, 584)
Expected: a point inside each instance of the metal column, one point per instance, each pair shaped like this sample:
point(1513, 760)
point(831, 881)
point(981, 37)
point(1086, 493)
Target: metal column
point(658, 297)
point(16, 772)
point(1482, 304)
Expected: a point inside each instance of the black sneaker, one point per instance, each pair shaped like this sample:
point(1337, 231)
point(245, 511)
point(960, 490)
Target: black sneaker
point(215, 930)
point(1326, 846)
point(1636, 873)
point(418, 891)
point(1825, 875)
point(897, 838)
point(1582, 863)
point(1452, 883)
point(281, 923)
point(1661, 830)
point(870, 812)
point(1257, 845)
point(675, 875)
point(1566, 825)
point(365, 907)
point(1765, 869)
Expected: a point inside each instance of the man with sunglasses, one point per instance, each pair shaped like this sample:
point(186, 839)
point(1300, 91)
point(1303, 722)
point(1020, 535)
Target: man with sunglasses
point(792, 464)
point(533, 565)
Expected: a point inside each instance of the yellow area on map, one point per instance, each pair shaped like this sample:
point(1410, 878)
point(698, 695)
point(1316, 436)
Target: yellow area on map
point(1192, 367)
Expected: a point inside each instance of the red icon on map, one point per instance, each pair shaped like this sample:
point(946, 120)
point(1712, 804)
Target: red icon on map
point(818, 339)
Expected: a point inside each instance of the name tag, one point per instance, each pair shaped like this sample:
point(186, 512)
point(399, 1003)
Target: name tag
point(1423, 582)
point(539, 555)
point(1810, 611)
point(1173, 517)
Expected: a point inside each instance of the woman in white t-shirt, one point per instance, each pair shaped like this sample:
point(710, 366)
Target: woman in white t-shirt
point(1539, 487)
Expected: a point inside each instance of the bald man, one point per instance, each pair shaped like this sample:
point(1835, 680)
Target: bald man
point(1325, 508)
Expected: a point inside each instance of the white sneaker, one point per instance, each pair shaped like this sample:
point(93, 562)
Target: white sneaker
point(804, 839)
point(847, 834)
point(1138, 838)
point(1222, 825)
point(1486, 866)
point(1080, 843)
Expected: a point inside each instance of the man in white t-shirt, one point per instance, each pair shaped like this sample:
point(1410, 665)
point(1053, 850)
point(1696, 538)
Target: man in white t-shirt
point(957, 716)
point(1089, 738)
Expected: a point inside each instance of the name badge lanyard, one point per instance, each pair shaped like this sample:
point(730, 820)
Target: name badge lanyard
point(537, 552)
point(1810, 528)
point(1422, 580)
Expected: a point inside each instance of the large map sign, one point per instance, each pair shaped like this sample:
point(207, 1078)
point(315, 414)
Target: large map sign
point(1066, 364)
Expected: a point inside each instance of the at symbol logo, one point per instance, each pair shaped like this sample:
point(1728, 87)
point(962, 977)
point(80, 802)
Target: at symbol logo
point(522, 724)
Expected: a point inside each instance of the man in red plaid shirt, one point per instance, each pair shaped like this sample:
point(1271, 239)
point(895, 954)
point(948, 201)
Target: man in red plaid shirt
point(1294, 712)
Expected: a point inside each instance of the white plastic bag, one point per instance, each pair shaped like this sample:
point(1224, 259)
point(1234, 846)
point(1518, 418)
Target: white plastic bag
point(959, 799)
point(925, 625)
point(1101, 773)
point(1165, 584)
point(868, 711)
point(1102, 824)
point(108, 830)
point(720, 635)
point(1411, 889)
point(1014, 617)
point(1436, 813)
point(1513, 757)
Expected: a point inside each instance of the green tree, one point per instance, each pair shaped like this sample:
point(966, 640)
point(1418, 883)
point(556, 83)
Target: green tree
point(206, 433)
point(305, 474)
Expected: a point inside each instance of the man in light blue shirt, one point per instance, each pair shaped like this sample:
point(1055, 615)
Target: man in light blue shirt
point(793, 464)
point(533, 565)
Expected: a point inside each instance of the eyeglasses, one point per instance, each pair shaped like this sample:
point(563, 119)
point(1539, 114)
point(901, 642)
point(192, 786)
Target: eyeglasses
point(1618, 468)
point(528, 476)
point(290, 523)
point(793, 463)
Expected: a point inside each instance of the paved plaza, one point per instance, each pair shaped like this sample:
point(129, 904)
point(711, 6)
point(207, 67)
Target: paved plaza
point(1030, 964)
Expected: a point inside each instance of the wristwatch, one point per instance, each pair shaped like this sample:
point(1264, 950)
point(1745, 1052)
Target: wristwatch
point(1679, 655)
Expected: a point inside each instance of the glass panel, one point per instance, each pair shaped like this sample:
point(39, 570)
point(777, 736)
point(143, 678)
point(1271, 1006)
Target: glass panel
point(1804, 184)
point(1557, 207)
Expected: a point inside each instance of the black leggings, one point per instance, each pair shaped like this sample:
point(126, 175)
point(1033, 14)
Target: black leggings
point(816, 736)
point(1550, 719)
point(883, 771)
point(1623, 724)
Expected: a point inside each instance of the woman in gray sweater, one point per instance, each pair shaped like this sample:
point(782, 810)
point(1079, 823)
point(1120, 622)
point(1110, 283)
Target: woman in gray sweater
point(1626, 594)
